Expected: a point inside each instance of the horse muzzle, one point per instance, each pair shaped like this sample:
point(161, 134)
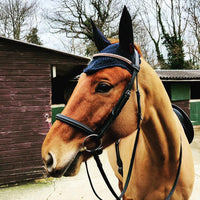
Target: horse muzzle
point(68, 166)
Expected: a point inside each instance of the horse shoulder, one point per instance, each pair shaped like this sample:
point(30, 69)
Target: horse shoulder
point(186, 179)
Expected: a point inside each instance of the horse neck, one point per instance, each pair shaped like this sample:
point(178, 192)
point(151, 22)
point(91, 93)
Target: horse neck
point(159, 126)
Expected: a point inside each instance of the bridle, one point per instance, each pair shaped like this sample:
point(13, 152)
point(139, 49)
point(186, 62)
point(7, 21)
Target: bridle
point(99, 131)
point(97, 134)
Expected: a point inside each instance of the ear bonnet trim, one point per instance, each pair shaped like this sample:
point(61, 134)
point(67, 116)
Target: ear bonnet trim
point(137, 60)
point(111, 56)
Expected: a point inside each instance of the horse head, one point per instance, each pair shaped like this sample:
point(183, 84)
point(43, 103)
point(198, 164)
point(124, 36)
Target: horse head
point(97, 92)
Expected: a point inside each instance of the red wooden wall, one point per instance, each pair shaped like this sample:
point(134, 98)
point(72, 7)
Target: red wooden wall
point(25, 99)
point(25, 89)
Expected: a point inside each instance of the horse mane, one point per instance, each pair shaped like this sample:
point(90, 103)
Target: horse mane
point(137, 47)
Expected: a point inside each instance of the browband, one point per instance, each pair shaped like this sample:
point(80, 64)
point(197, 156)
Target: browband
point(135, 65)
point(113, 56)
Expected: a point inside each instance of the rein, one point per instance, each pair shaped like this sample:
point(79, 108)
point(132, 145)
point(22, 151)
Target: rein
point(99, 132)
point(100, 166)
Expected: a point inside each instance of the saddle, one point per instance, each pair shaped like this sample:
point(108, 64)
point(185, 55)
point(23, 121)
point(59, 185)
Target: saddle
point(185, 121)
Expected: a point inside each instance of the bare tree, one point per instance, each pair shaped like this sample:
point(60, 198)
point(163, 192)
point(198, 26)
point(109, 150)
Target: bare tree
point(74, 20)
point(149, 14)
point(194, 22)
point(170, 22)
point(14, 15)
point(74, 17)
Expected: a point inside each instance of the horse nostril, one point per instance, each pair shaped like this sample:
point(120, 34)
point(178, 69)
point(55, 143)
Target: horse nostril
point(49, 161)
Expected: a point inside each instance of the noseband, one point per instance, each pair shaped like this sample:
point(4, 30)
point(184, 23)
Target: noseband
point(97, 134)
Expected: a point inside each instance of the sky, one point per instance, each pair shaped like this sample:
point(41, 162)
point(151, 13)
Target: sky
point(50, 40)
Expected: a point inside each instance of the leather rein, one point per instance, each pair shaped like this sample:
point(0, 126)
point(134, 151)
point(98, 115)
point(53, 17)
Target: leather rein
point(97, 134)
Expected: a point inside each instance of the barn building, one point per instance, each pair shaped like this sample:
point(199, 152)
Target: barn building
point(32, 78)
point(183, 88)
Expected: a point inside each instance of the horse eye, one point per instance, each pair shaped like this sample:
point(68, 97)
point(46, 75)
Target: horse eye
point(103, 87)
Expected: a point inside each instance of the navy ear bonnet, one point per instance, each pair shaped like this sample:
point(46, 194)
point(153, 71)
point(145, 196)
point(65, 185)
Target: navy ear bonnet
point(122, 55)
point(99, 63)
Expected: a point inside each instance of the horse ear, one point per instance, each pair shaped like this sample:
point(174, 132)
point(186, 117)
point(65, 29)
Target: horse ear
point(126, 33)
point(100, 40)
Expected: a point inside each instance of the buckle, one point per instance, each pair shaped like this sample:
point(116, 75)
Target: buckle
point(92, 144)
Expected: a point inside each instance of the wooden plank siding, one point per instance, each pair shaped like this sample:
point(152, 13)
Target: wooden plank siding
point(25, 98)
point(25, 91)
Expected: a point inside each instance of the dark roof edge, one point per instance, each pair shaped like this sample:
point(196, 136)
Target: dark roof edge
point(180, 80)
point(44, 48)
point(179, 75)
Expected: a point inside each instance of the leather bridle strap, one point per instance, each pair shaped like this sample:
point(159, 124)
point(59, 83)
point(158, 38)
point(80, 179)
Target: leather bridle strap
point(100, 166)
point(67, 120)
point(99, 132)
point(118, 158)
point(177, 174)
point(112, 116)
point(117, 108)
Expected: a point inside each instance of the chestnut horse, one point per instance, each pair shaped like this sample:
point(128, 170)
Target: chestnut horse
point(98, 90)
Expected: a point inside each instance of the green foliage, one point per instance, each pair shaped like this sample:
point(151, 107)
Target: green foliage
point(176, 54)
point(173, 42)
point(32, 37)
